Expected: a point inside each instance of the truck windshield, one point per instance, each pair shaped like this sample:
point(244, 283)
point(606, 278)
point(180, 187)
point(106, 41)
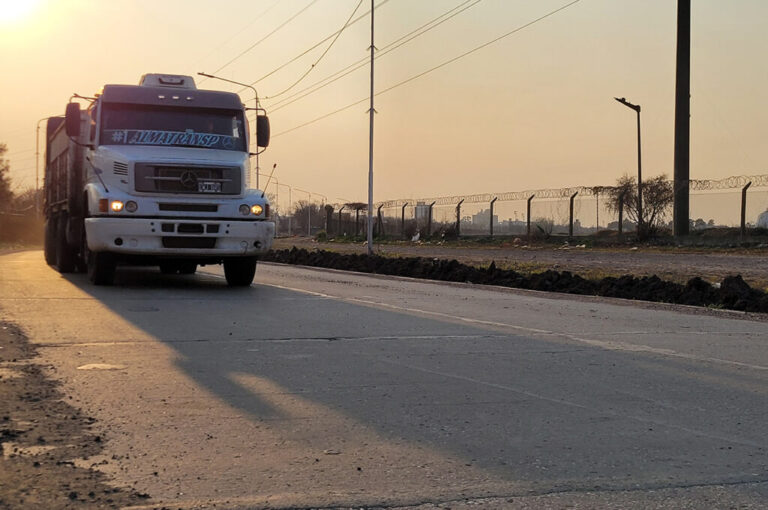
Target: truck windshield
point(132, 124)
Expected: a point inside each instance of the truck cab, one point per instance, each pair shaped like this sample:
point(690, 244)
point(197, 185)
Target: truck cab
point(164, 179)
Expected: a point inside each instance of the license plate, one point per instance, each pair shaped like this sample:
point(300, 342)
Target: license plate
point(208, 187)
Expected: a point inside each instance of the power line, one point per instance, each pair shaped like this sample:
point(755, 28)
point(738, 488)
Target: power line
point(14, 132)
point(322, 117)
point(385, 50)
point(254, 20)
point(321, 56)
point(294, 59)
point(9, 154)
point(266, 36)
point(450, 61)
point(11, 158)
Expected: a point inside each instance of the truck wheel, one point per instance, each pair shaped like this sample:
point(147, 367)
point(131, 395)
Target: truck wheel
point(101, 268)
point(189, 268)
point(65, 255)
point(169, 267)
point(240, 271)
point(50, 241)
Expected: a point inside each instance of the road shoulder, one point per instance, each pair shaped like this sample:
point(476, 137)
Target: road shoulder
point(46, 442)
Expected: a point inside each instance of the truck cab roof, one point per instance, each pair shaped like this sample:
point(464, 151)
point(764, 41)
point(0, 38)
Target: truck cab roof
point(171, 96)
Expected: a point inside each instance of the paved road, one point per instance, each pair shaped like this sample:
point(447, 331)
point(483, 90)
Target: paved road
point(317, 388)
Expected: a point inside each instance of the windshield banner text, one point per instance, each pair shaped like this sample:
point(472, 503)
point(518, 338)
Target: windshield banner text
point(155, 137)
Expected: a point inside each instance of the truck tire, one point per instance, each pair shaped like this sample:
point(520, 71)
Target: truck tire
point(240, 271)
point(189, 268)
point(101, 268)
point(169, 267)
point(50, 241)
point(65, 254)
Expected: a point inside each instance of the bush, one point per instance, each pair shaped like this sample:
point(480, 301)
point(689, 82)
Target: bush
point(21, 229)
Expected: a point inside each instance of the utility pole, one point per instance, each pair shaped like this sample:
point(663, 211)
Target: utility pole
point(682, 119)
point(371, 111)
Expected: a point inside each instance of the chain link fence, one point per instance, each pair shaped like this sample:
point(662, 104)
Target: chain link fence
point(575, 211)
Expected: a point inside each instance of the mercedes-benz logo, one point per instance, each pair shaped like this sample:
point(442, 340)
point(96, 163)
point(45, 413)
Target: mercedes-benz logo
point(189, 180)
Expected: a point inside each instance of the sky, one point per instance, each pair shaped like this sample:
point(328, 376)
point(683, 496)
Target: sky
point(533, 110)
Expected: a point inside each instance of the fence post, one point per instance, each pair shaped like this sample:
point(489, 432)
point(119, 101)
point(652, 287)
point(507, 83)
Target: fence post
point(357, 221)
point(338, 232)
point(328, 218)
point(492, 202)
point(528, 216)
point(744, 210)
point(429, 220)
point(621, 213)
point(402, 220)
point(458, 217)
point(379, 221)
point(570, 221)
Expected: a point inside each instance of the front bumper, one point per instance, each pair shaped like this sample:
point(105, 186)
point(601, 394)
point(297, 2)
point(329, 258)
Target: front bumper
point(176, 237)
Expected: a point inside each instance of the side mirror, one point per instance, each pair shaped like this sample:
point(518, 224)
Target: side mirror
point(73, 120)
point(262, 131)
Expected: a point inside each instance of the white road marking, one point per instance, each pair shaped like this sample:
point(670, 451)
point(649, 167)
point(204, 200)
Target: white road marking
point(603, 344)
point(568, 403)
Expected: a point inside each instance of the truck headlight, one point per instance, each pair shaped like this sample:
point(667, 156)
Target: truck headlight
point(257, 209)
point(116, 206)
point(131, 206)
point(245, 210)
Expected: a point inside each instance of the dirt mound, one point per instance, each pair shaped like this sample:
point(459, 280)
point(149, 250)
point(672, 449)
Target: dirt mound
point(733, 293)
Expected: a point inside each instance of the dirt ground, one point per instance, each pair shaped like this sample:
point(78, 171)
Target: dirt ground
point(674, 264)
point(45, 441)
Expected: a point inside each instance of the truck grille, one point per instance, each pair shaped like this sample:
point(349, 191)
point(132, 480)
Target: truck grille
point(187, 180)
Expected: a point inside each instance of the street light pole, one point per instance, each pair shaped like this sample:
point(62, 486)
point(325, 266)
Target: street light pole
point(636, 107)
point(309, 211)
point(255, 122)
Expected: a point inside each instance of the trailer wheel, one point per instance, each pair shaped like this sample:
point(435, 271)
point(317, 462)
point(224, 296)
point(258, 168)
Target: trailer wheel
point(50, 241)
point(101, 267)
point(65, 255)
point(240, 271)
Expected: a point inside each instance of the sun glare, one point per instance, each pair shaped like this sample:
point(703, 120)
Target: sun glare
point(16, 11)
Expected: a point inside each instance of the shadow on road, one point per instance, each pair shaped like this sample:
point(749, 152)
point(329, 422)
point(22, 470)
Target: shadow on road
point(552, 413)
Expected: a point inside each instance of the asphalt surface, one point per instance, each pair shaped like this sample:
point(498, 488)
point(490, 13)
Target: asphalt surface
point(327, 389)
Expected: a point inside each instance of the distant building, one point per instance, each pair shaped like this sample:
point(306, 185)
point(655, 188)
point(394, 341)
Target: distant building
point(421, 211)
point(484, 217)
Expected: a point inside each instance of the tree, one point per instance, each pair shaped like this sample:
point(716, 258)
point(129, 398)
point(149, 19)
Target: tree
point(6, 193)
point(304, 212)
point(658, 196)
point(26, 200)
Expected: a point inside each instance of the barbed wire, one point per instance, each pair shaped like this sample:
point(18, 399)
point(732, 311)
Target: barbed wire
point(732, 182)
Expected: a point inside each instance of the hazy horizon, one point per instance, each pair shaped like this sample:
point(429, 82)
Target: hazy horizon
point(534, 110)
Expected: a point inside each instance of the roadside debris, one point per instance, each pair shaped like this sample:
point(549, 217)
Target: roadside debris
point(733, 293)
point(44, 440)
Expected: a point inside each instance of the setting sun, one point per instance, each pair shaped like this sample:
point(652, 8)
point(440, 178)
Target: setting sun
point(12, 11)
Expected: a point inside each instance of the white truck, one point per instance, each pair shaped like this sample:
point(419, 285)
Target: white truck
point(155, 174)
